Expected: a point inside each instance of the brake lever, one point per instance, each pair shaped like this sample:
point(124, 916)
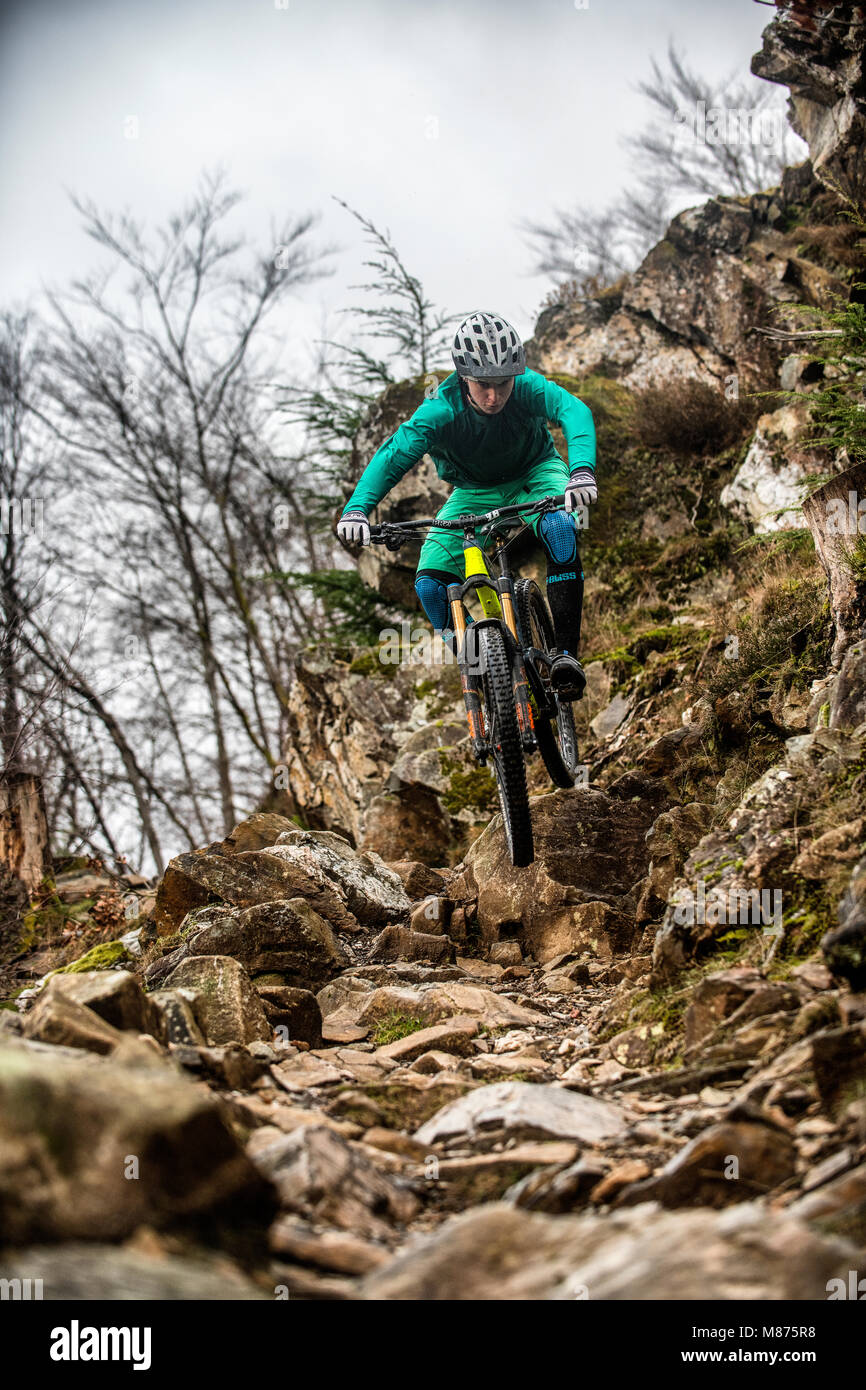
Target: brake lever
point(393, 540)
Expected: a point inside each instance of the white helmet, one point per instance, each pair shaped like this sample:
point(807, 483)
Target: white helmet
point(486, 345)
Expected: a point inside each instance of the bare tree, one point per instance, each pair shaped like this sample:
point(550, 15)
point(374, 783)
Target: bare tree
point(731, 138)
point(157, 393)
point(402, 321)
point(700, 140)
point(24, 473)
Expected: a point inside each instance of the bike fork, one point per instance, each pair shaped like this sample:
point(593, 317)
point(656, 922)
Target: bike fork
point(522, 704)
point(523, 707)
point(471, 698)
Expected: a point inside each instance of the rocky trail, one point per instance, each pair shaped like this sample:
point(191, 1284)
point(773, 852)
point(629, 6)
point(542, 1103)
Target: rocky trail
point(345, 1077)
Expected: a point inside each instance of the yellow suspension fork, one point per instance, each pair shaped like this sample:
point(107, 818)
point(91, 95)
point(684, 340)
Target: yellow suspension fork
point(471, 697)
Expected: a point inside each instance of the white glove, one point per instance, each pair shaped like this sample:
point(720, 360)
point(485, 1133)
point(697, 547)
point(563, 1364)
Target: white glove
point(354, 528)
point(581, 490)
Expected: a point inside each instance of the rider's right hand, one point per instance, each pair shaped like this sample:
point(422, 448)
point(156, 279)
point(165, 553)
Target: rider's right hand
point(354, 529)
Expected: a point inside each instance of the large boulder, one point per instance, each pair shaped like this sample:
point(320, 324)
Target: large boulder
point(339, 883)
point(590, 852)
point(92, 1149)
point(115, 995)
point(601, 337)
point(351, 1001)
point(690, 309)
point(767, 488)
point(732, 878)
point(347, 723)
point(369, 890)
point(701, 285)
point(62, 1020)
point(287, 937)
point(226, 1005)
point(499, 1252)
point(179, 893)
point(402, 943)
point(212, 874)
point(523, 1110)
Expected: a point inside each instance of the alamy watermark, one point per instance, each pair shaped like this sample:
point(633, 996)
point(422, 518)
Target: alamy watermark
point(854, 1289)
point(77, 1343)
point(846, 518)
point(21, 516)
point(734, 125)
point(20, 1290)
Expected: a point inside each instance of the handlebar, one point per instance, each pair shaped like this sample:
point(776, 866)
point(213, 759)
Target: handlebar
point(396, 533)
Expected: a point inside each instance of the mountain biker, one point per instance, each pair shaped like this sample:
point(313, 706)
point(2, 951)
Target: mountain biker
point(486, 432)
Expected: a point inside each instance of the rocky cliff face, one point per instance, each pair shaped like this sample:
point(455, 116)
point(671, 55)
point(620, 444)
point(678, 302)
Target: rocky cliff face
point(692, 307)
point(367, 1057)
point(816, 51)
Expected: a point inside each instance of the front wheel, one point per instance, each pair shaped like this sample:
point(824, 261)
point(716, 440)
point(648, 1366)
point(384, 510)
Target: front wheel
point(556, 736)
point(502, 734)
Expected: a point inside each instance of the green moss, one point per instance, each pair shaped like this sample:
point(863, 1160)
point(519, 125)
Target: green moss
point(103, 956)
point(808, 912)
point(474, 790)
point(9, 1002)
point(855, 559)
point(393, 1027)
point(471, 788)
point(440, 692)
point(369, 663)
point(622, 663)
point(668, 1006)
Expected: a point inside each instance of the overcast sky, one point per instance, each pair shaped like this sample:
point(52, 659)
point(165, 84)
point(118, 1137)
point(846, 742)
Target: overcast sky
point(444, 122)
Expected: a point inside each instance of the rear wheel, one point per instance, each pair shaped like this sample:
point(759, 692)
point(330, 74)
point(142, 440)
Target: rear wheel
point(502, 733)
point(557, 739)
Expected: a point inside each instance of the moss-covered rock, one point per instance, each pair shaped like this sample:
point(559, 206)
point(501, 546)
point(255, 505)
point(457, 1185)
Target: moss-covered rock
point(107, 955)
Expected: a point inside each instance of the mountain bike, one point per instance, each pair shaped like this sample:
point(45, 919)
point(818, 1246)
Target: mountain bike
point(504, 658)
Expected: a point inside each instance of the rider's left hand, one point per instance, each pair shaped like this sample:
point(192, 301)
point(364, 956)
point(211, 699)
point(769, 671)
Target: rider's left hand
point(581, 490)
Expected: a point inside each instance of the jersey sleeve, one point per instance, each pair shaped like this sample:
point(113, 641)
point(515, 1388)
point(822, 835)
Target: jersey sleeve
point(400, 452)
point(546, 398)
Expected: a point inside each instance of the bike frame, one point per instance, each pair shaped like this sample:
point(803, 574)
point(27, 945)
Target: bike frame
point(496, 597)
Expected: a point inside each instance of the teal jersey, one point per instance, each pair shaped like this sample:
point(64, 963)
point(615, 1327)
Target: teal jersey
point(471, 450)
